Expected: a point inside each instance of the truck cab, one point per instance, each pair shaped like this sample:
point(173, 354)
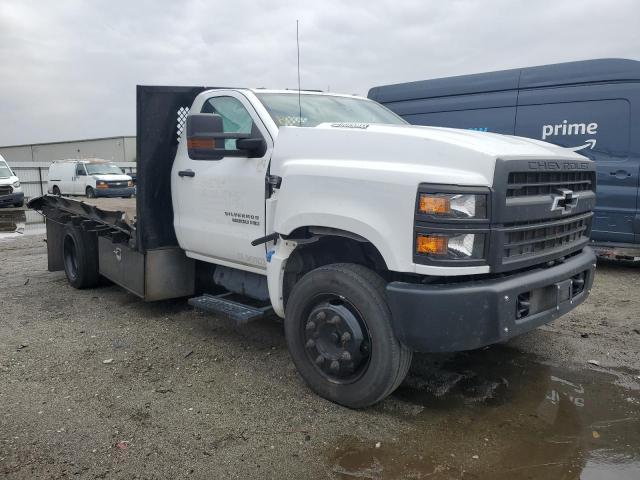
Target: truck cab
point(372, 238)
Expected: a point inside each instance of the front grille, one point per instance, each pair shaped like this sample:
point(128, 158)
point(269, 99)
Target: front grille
point(6, 189)
point(121, 184)
point(537, 239)
point(526, 184)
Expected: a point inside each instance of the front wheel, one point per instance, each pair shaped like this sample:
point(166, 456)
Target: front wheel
point(91, 193)
point(19, 204)
point(339, 333)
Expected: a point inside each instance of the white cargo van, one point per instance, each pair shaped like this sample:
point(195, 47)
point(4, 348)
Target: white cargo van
point(90, 177)
point(10, 190)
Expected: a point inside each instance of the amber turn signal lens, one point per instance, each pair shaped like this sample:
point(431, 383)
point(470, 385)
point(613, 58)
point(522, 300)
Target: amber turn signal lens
point(130, 183)
point(201, 143)
point(434, 205)
point(432, 245)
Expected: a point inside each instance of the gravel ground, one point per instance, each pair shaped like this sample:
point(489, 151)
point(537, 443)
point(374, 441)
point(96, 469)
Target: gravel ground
point(98, 384)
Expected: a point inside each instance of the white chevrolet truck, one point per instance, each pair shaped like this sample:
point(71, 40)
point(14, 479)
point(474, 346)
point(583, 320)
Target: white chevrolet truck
point(370, 237)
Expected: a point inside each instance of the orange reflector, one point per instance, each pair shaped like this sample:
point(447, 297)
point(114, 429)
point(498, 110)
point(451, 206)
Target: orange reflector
point(201, 143)
point(433, 245)
point(102, 185)
point(430, 204)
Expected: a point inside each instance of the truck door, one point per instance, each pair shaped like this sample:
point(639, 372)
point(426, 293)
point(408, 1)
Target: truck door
point(219, 205)
point(599, 129)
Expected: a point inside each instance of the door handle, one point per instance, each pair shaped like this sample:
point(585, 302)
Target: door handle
point(620, 174)
point(186, 173)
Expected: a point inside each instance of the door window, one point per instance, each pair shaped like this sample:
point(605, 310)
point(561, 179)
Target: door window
point(80, 171)
point(235, 117)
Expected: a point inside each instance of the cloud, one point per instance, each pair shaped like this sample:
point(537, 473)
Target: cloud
point(68, 69)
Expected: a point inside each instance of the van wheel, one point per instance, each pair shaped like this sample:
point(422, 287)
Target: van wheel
point(91, 193)
point(55, 190)
point(339, 333)
point(80, 256)
point(19, 204)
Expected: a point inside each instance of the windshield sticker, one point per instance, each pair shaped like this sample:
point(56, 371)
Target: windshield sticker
point(291, 121)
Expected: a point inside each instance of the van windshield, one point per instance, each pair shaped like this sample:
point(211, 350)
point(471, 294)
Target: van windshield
point(5, 171)
point(317, 109)
point(103, 169)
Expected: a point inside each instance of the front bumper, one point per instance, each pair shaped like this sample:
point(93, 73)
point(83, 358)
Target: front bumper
point(115, 192)
point(12, 198)
point(462, 316)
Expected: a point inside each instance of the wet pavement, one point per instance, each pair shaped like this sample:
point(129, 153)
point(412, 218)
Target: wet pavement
point(502, 414)
point(17, 222)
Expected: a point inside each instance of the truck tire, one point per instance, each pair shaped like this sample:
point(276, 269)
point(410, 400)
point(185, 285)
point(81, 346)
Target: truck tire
point(19, 204)
point(90, 192)
point(80, 257)
point(339, 334)
point(55, 190)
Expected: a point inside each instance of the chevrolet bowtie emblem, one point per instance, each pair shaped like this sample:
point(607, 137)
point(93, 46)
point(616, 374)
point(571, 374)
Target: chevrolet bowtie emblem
point(564, 200)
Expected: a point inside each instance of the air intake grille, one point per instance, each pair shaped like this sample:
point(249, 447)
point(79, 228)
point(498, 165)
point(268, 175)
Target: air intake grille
point(6, 189)
point(536, 239)
point(525, 184)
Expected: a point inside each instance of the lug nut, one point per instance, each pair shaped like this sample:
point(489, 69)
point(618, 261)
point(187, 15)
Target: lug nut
point(346, 336)
point(310, 343)
point(346, 356)
point(321, 316)
point(319, 360)
point(310, 326)
point(335, 366)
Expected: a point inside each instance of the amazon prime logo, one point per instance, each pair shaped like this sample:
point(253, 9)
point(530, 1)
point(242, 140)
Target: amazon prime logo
point(564, 200)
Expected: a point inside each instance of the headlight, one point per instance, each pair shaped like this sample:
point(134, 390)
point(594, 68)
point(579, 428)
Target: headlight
point(451, 246)
point(453, 205)
point(16, 184)
point(101, 184)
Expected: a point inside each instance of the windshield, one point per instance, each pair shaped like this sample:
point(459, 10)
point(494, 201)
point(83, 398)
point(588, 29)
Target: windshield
point(317, 109)
point(103, 169)
point(5, 171)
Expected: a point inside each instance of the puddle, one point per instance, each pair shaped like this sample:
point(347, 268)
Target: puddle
point(500, 414)
point(15, 223)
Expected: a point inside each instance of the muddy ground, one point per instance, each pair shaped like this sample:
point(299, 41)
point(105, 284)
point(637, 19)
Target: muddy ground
point(98, 384)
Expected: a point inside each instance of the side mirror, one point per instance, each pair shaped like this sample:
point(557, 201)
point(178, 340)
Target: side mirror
point(206, 139)
point(255, 147)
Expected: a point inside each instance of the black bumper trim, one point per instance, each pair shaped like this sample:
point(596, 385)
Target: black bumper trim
point(463, 316)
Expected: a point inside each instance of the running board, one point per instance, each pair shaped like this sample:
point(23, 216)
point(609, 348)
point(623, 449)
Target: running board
point(236, 311)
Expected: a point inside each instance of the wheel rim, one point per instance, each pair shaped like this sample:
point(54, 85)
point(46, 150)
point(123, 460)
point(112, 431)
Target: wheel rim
point(336, 340)
point(70, 258)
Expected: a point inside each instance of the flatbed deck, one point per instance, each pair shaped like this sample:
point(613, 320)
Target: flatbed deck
point(126, 205)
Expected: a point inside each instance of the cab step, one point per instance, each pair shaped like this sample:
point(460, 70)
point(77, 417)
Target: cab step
point(222, 306)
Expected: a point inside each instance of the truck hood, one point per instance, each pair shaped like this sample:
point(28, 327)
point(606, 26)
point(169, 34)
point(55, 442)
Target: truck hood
point(404, 153)
point(112, 177)
point(8, 180)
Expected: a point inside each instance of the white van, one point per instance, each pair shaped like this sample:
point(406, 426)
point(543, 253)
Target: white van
point(10, 190)
point(90, 177)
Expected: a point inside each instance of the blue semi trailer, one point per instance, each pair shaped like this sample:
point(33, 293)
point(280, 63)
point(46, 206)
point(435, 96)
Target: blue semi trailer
point(590, 106)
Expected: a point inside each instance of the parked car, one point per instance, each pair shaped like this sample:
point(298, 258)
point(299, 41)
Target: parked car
point(10, 190)
point(592, 107)
point(93, 178)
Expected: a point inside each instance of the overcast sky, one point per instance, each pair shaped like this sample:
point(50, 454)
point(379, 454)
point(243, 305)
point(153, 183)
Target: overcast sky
point(68, 68)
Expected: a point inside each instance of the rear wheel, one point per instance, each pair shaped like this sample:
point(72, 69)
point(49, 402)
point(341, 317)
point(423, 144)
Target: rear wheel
point(80, 257)
point(91, 193)
point(340, 337)
point(55, 190)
